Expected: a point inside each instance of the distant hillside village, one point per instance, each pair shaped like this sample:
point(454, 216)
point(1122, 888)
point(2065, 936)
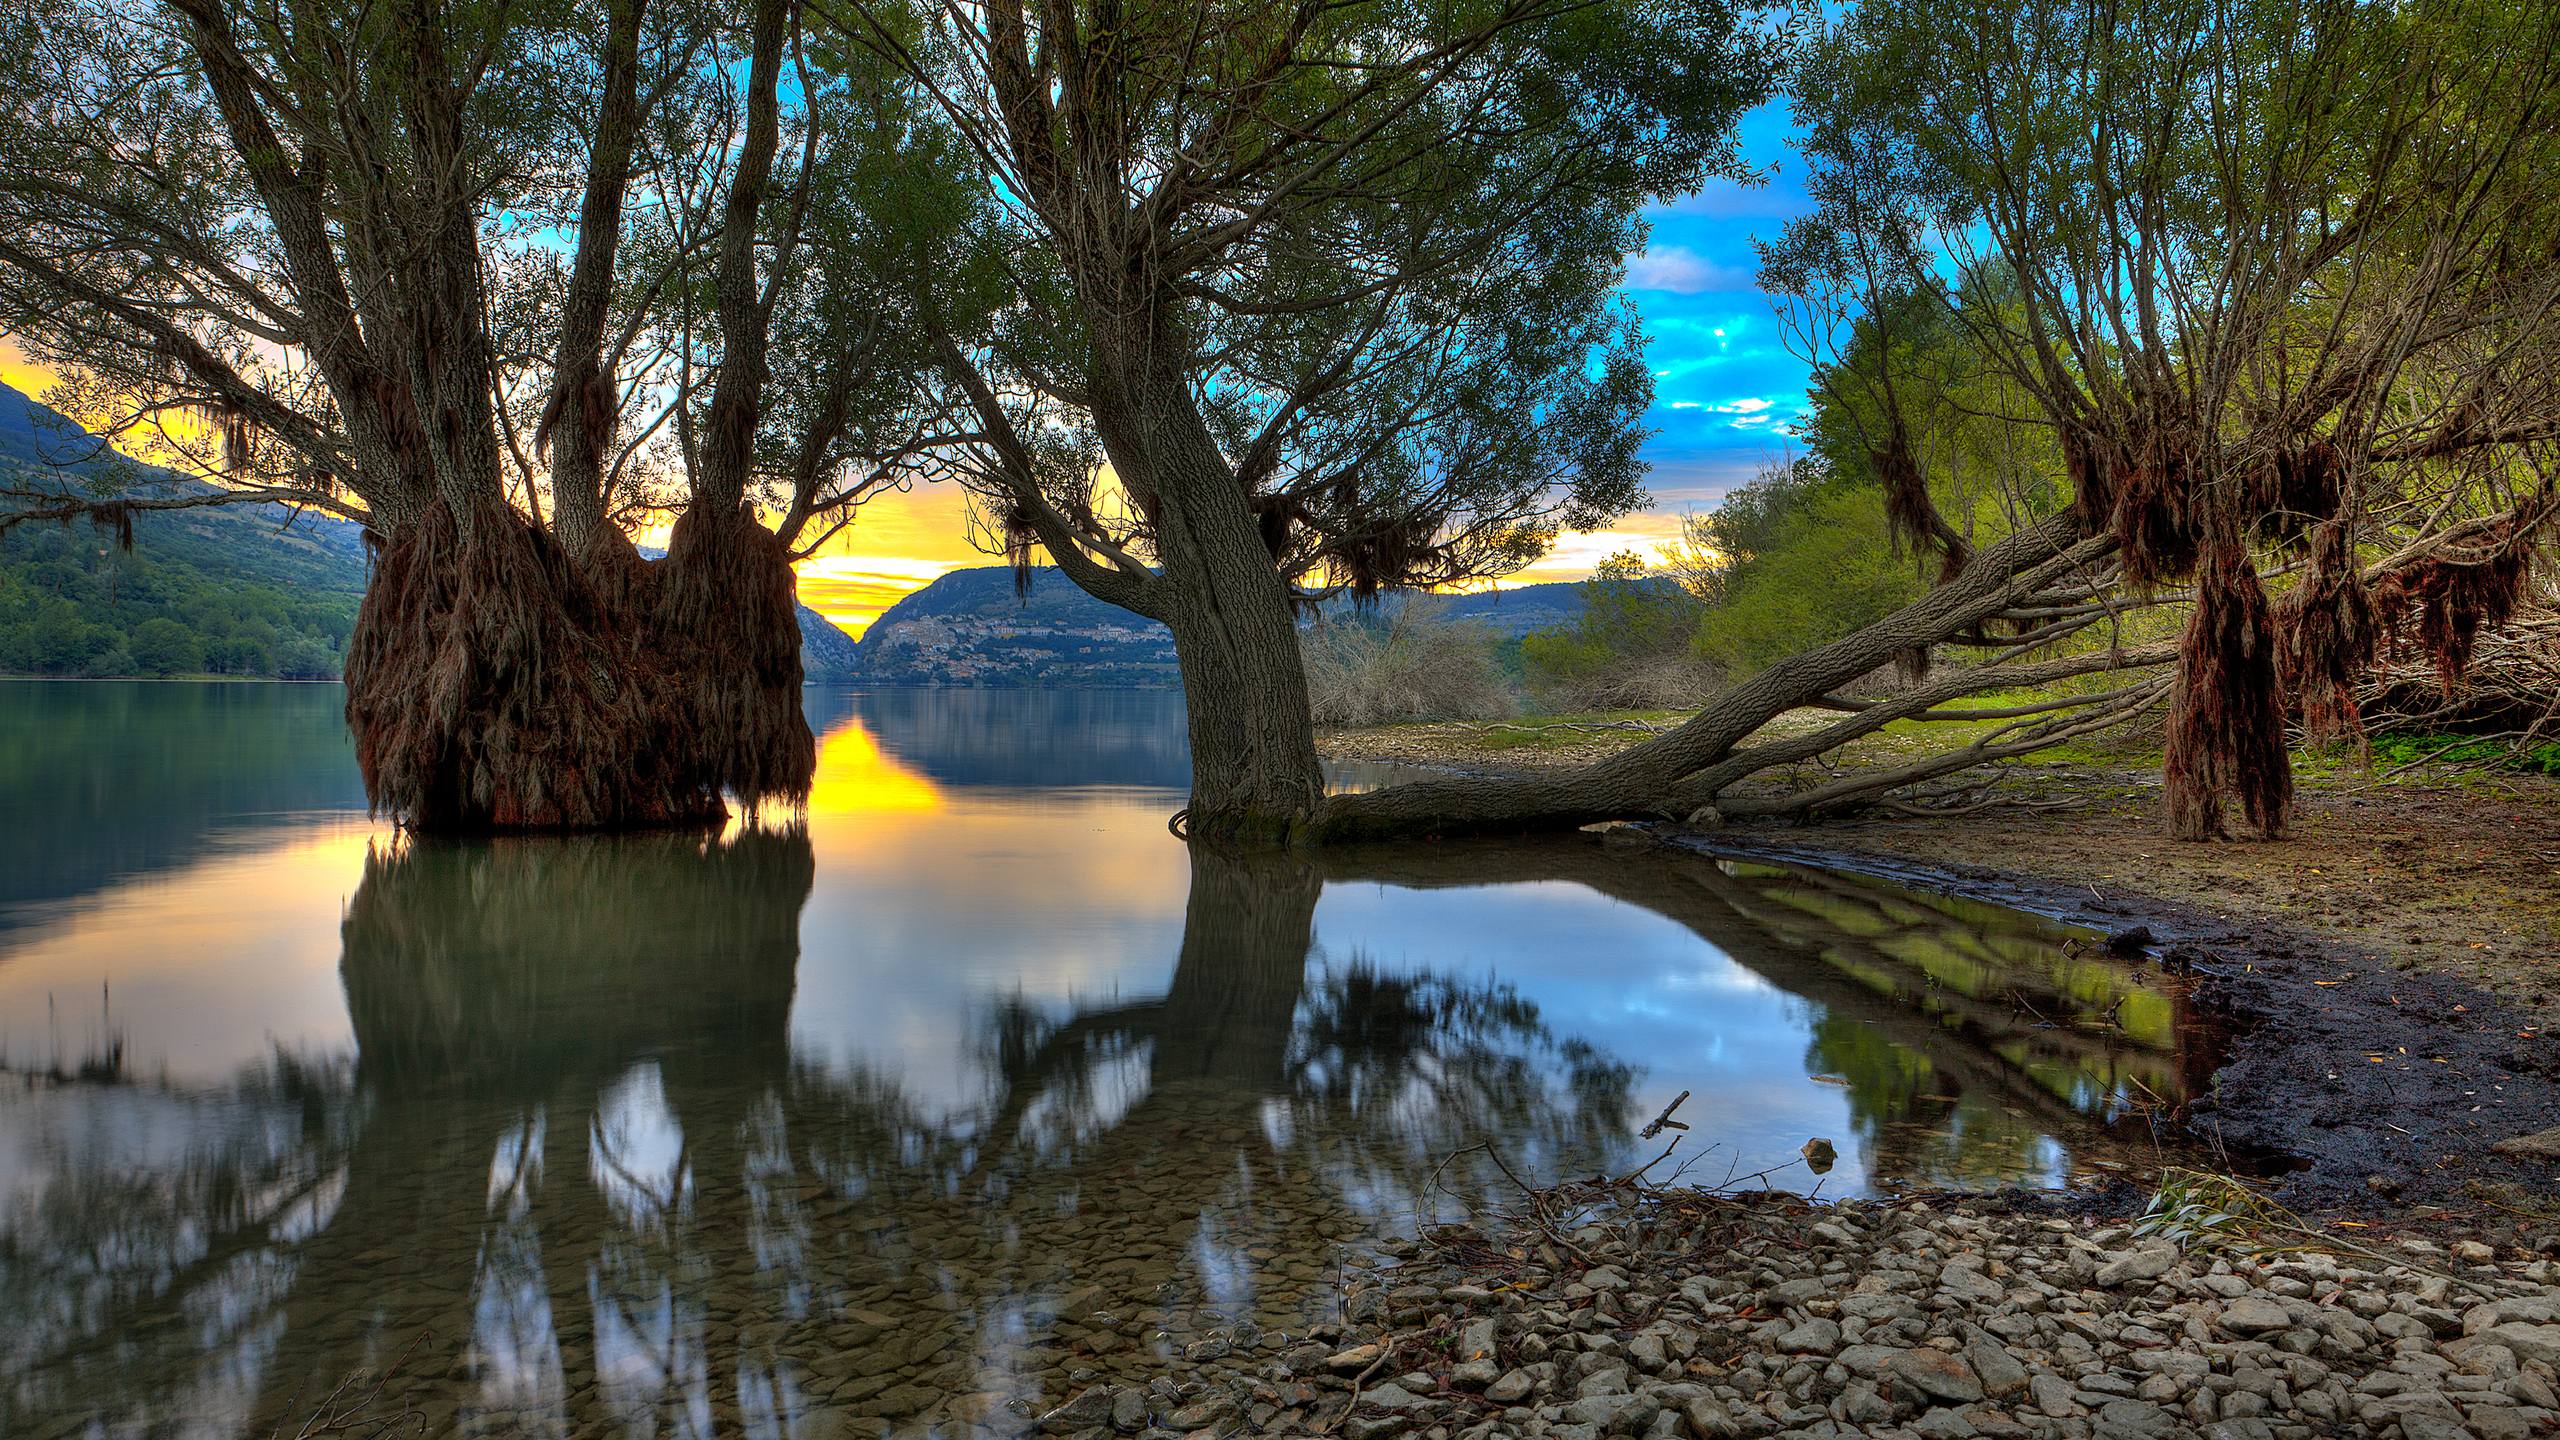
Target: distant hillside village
point(254, 592)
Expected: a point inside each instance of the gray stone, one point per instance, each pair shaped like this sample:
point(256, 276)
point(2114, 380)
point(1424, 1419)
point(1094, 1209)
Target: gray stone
point(2134, 1420)
point(1605, 1413)
point(1709, 1420)
point(1392, 1396)
point(2254, 1315)
point(1794, 1292)
point(2529, 1342)
point(1511, 1389)
point(2148, 1263)
point(1201, 1413)
point(1860, 1404)
point(1936, 1374)
point(1999, 1371)
point(1965, 1278)
point(1813, 1337)
point(2526, 1309)
point(1943, 1424)
point(1085, 1411)
point(2052, 1394)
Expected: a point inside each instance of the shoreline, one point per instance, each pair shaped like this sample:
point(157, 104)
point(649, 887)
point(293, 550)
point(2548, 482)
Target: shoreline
point(1604, 1310)
point(2389, 1065)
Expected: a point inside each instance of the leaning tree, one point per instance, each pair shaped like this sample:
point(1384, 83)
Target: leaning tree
point(2245, 291)
point(506, 283)
point(1306, 299)
point(2266, 287)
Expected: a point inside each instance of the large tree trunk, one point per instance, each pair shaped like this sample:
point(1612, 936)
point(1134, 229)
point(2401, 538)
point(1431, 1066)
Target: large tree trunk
point(1254, 772)
point(1685, 770)
point(493, 684)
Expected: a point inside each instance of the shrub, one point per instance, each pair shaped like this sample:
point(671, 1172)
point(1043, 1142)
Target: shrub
point(1370, 670)
point(1631, 650)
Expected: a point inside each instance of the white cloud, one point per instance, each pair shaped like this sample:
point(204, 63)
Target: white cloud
point(1682, 271)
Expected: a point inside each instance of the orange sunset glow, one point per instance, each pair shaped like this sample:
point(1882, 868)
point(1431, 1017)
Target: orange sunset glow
point(902, 541)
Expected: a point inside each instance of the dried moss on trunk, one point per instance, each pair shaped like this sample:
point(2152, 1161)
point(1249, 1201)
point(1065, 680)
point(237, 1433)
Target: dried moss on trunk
point(494, 685)
point(2226, 728)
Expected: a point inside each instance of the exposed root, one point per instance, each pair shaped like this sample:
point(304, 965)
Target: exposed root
point(2226, 727)
point(729, 611)
point(495, 685)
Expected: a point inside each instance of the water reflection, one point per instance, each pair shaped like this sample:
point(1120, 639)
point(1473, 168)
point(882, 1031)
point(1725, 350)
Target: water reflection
point(577, 1167)
point(1973, 1045)
point(904, 1115)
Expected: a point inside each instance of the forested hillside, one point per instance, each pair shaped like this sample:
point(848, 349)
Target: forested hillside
point(971, 627)
point(245, 590)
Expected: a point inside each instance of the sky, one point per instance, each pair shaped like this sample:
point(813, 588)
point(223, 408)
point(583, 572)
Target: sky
point(1725, 393)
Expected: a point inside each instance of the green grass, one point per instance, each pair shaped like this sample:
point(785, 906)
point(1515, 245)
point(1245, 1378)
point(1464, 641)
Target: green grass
point(1550, 732)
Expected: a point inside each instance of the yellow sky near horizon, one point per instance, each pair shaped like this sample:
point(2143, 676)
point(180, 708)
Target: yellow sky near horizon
point(902, 541)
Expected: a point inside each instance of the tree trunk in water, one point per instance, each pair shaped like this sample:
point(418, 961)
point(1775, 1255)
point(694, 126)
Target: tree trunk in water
point(1254, 772)
point(496, 684)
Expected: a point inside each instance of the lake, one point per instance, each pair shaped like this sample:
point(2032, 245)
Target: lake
point(923, 1109)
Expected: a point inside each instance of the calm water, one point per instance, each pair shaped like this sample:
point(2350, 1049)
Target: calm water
point(913, 1113)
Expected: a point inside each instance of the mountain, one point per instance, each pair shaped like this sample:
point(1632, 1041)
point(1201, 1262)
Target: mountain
point(971, 628)
point(234, 590)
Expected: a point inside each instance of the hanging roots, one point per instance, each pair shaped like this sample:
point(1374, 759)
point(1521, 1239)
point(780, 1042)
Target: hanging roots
point(2326, 638)
point(2226, 726)
point(115, 516)
point(1021, 539)
point(2301, 487)
point(494, 683)
point(729, 620)
point(2454, 600)
point(1912, 516)
point(2156, 514)
point(488, 689)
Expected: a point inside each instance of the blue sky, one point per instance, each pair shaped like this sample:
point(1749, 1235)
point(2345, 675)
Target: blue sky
point(1725, 389)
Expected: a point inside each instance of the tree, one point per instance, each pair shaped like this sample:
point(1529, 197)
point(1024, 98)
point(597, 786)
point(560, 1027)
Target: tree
point(2261, 277)
point(2257, 276)
point(502, 282)
point(162, 646)
point(1308, 299)
point(1633, 645)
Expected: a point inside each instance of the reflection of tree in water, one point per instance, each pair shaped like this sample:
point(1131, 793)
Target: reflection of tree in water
point(141, 1205)
point(1967, 1035)
point(577, 1153)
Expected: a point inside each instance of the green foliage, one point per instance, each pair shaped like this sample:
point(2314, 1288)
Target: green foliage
point(1630, 647)
point(1808, 560)
point(2411, 748)
point(71, 603)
